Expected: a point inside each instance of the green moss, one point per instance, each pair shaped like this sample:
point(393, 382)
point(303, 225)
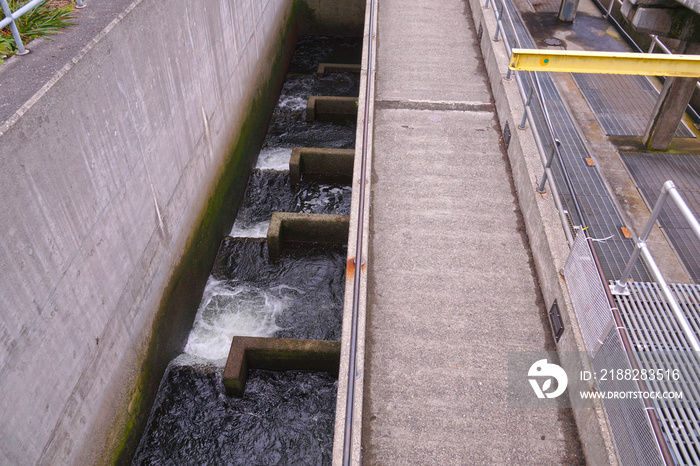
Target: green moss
point(183, 292)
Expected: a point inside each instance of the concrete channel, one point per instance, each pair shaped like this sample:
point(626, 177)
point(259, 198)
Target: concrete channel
point(453, 259)
point(121, 175)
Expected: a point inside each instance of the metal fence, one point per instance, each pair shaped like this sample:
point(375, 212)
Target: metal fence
point(11, 18)
point(633, 422)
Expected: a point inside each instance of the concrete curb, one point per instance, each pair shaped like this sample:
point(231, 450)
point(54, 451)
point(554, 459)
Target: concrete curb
point(325, 68)
point(341, 414)
point(549, 247)
point(277, 354)
point(322, 164)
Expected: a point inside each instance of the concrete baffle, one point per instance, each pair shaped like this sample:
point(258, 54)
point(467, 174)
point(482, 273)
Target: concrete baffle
point(322, 164)
point(277, 354)
point(321, 107)
point(305, 228)
point(324, 68)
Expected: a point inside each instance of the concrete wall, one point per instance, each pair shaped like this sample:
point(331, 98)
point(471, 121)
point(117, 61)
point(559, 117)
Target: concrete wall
point(109, 178)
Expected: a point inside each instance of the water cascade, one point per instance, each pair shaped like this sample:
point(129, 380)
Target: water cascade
point(284, 416)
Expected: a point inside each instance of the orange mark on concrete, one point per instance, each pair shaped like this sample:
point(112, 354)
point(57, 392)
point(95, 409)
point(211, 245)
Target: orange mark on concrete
point(350, 268)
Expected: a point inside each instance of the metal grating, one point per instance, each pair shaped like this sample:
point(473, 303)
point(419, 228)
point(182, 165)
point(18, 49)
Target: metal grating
point(587, 294)
point(659, 342)
point(599, 210)
point(629, 423)
point(622, 104)
point(649, 172)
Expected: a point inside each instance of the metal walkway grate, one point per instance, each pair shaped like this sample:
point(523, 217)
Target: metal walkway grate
point(659, 342)
point(649, 172)
point(622, 104)
point(599, 210)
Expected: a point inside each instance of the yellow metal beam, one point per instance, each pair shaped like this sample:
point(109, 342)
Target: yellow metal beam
point(647, 64)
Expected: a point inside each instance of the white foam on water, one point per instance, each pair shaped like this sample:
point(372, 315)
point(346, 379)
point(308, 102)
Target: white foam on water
point(326, 195)
point(227, 310)
point(254, 230)
point(274, 158)
point(291, 103)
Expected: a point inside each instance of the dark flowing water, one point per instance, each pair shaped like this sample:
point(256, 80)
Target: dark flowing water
point(284, 417)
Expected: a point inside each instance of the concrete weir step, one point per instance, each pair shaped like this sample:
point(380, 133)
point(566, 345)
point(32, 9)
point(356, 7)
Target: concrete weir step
point(321, 164)
point(305, 228)
point(323, 107)
point(325, 68)
point(277, 354)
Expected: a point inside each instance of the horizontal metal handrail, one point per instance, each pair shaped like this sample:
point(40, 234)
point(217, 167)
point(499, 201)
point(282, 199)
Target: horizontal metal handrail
point(536, 90)
point(11, 18)
point(668, 191)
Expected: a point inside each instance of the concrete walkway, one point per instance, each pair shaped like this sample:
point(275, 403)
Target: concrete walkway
point(451, 285)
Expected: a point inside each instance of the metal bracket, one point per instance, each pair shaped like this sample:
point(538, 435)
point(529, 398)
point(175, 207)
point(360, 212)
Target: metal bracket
point(619, 289)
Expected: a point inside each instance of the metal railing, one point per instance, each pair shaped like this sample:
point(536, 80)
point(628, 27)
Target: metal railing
point(634, 423)
point(530, 80)
point(11, 18)
point(655, 42)
point(646, 426)
point(668, 191)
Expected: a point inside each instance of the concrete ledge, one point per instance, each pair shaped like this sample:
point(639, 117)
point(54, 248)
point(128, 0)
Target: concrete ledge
point(277, 354)
point(322, 164)
point(305, 228)
point(325, 68)
point(331, 108)
point(544, 230)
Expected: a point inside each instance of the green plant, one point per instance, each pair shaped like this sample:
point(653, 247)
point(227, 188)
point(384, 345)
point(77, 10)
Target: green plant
point(5, 48)
point(43, 20)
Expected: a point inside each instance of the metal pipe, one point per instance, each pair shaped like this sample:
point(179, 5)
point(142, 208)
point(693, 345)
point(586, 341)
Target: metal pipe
point(499, 15)
point(668, 190)
point(621, 285)
point(653, 43)
point(527, 104)
point(610, 7)
point(10, 19)
point(538, 140)
point(670, 299)
point(565, 172)
point(683, 207)
point(550, 176)
point(350, 401)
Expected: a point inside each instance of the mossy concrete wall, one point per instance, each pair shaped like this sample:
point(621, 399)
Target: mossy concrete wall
point(118, 181)
point(277, 354)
